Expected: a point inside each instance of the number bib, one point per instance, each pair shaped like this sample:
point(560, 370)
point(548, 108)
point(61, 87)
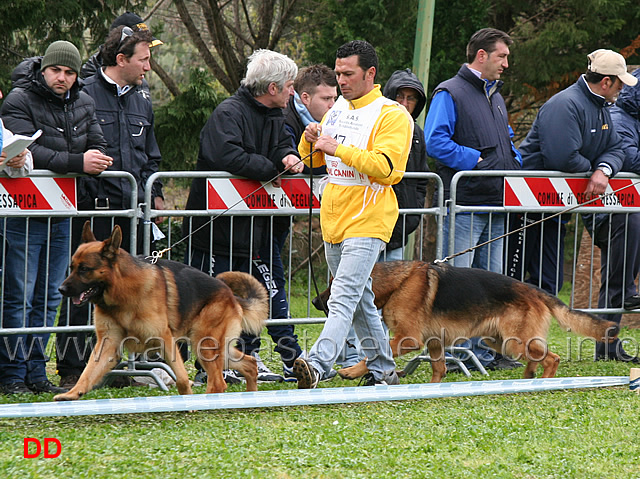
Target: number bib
point(351, 128)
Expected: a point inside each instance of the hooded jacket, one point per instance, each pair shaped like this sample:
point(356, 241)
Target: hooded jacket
point(410, 192)
point(69, 126)
point(245, 138)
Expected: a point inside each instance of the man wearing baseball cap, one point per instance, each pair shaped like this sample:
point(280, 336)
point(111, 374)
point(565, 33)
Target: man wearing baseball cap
point(128, 19)
point(45, 96)
point(573, 133)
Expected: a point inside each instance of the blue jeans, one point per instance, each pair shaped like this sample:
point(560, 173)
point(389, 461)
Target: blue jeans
point(351, 352)
point(352, 302)
point(472, 230)
point(31, 300)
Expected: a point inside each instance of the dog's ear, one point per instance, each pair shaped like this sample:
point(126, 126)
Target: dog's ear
point(112, 244)
point(87, 234)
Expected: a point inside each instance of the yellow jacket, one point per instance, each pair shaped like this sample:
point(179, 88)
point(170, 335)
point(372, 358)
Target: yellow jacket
point(358, 210)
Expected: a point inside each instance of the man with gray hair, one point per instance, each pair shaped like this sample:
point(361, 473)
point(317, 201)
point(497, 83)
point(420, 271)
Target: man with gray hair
point(246, 136)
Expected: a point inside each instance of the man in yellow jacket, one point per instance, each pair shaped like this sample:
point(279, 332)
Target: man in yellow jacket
point(364, 141)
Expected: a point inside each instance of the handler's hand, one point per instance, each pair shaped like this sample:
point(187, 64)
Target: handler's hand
point(327, 145)
point(597, 184)
point(312, 132)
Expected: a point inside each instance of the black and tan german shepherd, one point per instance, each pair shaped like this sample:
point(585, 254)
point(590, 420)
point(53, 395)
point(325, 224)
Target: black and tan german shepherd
point(438, 305)
point(143, 307)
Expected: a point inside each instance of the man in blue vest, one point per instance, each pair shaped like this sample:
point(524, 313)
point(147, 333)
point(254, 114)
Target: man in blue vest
point(467, 129)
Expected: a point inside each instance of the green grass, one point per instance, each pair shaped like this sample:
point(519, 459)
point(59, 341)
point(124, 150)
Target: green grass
point(561, 434)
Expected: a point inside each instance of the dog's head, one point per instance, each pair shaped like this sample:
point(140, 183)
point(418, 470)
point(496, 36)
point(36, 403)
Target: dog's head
point(92, 266)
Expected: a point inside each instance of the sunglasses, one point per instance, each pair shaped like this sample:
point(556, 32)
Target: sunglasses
point(126, 33)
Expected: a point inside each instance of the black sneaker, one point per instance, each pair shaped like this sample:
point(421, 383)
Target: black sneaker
point(15, 388)
point(632, 302)
point(306, 375)
point(46, 387)
point(389, 379)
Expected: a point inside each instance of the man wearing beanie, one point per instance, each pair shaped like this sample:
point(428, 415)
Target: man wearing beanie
point(125, 113)
point(45, 96)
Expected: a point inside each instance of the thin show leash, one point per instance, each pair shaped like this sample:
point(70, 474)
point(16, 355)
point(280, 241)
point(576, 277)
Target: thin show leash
point(156, 255)
point(567, 210)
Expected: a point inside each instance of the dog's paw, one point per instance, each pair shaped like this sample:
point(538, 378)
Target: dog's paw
point(66, 397)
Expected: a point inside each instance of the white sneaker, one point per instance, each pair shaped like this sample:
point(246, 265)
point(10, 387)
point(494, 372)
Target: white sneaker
point(265, 375)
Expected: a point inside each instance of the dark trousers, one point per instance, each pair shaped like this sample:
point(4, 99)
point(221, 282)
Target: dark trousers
point(536, 255)
point(617, 238)
point(268, 269)
point(73, 349)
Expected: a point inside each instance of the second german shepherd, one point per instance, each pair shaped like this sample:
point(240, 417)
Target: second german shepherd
point(145, 307)
point(438, 305)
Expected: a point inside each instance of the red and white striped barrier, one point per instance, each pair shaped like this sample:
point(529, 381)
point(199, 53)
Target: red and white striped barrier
point(37, 194)
point(250, 195)
point(543, 192)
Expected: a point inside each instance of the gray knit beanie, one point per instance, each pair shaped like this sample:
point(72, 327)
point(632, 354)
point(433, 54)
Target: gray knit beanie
point(62, 53)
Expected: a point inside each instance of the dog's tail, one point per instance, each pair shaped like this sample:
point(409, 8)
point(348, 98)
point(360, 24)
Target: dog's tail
point(251, 296)
point(580, 322)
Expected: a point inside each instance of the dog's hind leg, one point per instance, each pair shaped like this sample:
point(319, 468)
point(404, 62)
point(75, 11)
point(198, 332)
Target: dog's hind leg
point(104, 357)
point(247, 366)
point(438, 365)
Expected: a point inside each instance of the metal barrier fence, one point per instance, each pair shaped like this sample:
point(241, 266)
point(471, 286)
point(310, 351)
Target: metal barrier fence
point(435, 215)
point(537, 195)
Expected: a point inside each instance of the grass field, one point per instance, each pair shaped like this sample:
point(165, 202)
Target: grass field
point(562, 434)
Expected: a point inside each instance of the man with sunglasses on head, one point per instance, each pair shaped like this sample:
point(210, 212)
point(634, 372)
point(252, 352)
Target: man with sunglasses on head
point(125, 114)
point(127, 19)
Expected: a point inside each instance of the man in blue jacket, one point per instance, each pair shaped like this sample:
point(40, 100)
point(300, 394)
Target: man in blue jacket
point(467, 128)
point(573, 132)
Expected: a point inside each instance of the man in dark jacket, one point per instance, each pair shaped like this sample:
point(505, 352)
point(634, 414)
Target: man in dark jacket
point(46, 96)
point(405, 88)
point(125, 114)
point(245, 136)
point(589, 142)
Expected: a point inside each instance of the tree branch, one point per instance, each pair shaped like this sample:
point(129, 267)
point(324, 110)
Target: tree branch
point(168, 81)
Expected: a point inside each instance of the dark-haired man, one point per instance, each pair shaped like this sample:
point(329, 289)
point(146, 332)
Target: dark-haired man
point(46, 96)
point(125, 113)
point(364, 140)
point(467, 128)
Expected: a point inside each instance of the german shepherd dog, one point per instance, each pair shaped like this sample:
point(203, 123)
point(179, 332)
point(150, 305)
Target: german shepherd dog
point(145, 307)
point(438, 305)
